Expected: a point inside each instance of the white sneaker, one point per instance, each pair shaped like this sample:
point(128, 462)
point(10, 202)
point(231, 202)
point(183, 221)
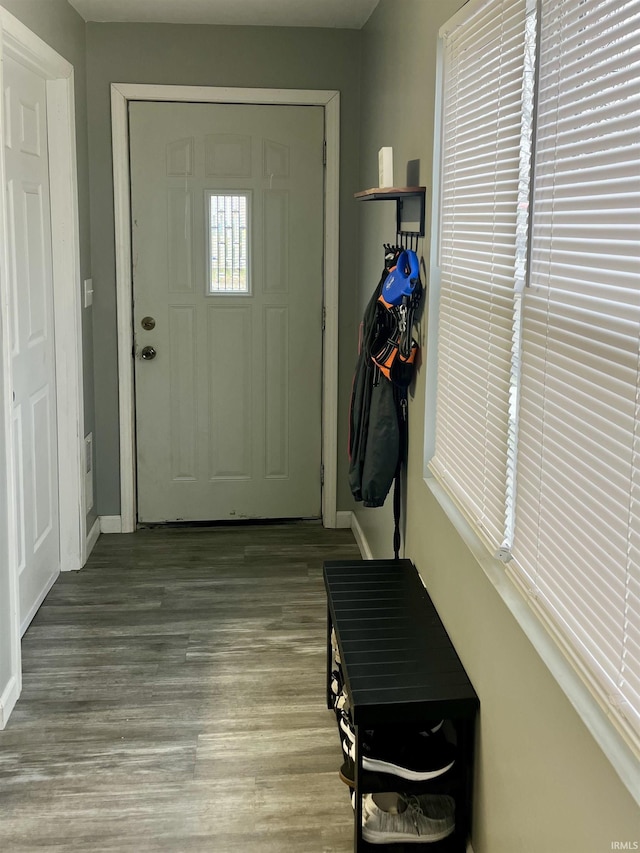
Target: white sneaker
point(348, 748)
point(346, 726)
point(342, 701)
point(393, 819)
point(334, 646)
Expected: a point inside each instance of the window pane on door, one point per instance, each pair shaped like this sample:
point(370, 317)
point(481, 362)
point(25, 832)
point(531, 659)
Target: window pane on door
point(228, 242)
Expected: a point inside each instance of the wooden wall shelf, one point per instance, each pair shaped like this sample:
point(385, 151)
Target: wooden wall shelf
point(387, 193)
point(410, 207)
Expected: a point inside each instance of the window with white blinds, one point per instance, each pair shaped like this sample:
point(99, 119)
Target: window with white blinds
point(480, 219)
point(577, 545)
point(537, 410)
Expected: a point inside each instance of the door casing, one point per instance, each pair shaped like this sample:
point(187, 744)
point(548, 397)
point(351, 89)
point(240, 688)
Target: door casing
point(121, 94)
point(17, 41)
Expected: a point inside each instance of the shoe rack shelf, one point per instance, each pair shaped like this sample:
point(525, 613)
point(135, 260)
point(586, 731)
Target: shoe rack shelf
point(400, 669)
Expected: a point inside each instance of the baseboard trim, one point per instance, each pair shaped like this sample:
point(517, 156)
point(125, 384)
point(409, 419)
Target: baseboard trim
point(344, 519)
point(110, 524)
point(361, 539)
point(92, 536)
point(9, 697)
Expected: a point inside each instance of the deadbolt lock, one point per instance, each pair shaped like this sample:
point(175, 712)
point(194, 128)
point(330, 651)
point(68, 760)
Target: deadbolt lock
point(148, 323)
point(148, 353)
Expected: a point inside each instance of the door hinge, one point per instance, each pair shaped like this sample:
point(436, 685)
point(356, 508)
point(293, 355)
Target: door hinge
point(322, 475)
point(324, 318)
point(324, 152)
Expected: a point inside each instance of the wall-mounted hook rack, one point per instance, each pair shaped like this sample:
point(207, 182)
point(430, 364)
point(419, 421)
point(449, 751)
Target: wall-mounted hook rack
point(410, 207)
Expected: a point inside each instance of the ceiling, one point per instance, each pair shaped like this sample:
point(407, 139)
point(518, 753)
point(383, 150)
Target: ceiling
point(342, 14)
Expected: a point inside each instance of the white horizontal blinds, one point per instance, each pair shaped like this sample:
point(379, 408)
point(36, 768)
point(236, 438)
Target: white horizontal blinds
point(481, 126)
point(577, 542)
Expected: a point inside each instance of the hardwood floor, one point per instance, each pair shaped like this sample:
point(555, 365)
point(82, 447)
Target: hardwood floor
point(174, 700)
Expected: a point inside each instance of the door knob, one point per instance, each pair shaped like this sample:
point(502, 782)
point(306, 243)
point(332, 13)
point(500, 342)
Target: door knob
point(148, 353)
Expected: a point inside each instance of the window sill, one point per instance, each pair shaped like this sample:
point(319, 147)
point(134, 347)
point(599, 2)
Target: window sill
point(620, 753)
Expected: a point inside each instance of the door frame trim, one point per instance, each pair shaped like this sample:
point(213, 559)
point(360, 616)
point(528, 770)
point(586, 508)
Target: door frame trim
point(121, 94)
point(17, 41)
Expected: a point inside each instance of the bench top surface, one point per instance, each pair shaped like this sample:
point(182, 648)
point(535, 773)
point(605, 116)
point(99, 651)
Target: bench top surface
point(397, 657)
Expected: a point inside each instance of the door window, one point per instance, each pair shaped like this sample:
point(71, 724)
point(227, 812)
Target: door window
point(228, 241)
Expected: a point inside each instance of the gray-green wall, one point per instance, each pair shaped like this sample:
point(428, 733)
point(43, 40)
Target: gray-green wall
point(209, 56)
point(60, 26)
point(542, 783)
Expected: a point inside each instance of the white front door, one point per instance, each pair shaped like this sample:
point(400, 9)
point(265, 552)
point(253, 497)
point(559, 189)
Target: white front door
point(227, 221)
point(32, 335)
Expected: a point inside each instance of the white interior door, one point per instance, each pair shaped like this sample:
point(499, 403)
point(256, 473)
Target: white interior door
point(227, 221)
point(32, 335)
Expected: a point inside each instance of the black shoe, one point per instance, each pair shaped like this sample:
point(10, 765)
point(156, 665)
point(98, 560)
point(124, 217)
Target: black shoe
point(414, 756)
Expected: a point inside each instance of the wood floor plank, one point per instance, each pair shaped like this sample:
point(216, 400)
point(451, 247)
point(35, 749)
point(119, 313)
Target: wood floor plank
point(173, 700)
